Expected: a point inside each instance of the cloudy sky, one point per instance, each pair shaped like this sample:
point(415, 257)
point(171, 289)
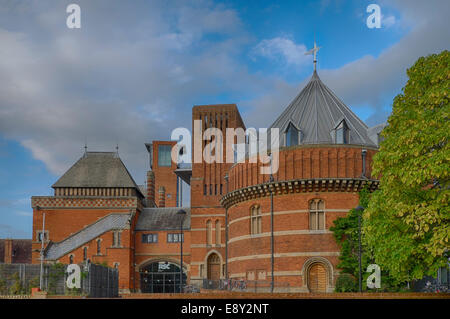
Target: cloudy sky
point(135, 68)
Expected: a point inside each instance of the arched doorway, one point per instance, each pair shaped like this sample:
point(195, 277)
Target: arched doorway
point(317, 278)
point(161, 277)
point(213, 267)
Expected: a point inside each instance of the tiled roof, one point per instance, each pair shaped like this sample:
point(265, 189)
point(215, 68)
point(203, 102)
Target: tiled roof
point(163, 219)
point(97, 169)
point(316, 111)
point(107, 223)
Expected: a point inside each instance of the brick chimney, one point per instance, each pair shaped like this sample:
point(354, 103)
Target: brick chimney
point(151, 187)
point(162, 197)
point(8, 251)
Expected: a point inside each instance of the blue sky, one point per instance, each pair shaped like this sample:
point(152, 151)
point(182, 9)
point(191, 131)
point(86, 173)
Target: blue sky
point(135, 68)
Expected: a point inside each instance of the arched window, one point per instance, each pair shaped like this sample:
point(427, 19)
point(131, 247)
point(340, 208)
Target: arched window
point(255, 220)
point(99, 247)
point(292, 135)
point(218, 232)
point(316, 214)
point(209, 232)
point(84, 253)
point(342, 133)
point(71, 259)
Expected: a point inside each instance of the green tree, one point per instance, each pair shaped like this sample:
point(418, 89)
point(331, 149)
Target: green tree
point(345, 231)
point(406, 223)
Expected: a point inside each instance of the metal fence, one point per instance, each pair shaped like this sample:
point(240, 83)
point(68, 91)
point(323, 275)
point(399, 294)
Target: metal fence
point(244, 285)
point(96, 281)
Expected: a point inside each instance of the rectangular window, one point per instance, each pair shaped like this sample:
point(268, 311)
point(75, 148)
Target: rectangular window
point(321, 220)
point(204, 189)
point(175, 238)
point(221, 189)
point(164, 155)
point(41, 235)
point(313, 221)
point(149, 238)
point(117, 239)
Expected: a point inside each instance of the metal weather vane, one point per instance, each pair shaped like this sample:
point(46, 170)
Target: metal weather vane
point(313, 51)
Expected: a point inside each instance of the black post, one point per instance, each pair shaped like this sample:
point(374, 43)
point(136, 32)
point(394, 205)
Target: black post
point(272, 283)
point(271, 239)
point(181, 255)
point(359, 209)
point(226, 234)
point(183, 214)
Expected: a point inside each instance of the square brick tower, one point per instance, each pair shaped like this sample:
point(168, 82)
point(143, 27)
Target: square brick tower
point(208, 185)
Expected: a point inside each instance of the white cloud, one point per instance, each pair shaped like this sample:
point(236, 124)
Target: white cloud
point(388, 22)
point(284, 48)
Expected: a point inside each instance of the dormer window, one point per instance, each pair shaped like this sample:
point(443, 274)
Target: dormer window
point(292, 135)
point(342, 133)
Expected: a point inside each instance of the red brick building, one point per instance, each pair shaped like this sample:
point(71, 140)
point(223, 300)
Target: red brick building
point(241, 224)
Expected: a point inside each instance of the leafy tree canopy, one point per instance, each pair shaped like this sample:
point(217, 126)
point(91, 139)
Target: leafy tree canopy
point(406, 223)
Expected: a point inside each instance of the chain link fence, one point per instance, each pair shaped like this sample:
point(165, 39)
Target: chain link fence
point(96, 281)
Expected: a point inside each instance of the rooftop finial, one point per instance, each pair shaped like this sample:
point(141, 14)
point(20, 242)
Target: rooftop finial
point(85, 147)
point(313, 51)
point(117, 149)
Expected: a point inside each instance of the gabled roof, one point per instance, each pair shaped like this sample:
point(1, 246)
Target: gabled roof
point(316, 111)
point(97, 169)
point(164, 218)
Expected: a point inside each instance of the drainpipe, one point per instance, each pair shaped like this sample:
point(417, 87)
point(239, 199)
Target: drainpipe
point(363, 155)
point(271, 227)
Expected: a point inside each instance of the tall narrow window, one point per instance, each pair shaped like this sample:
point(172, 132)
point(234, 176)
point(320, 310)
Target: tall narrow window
point(71, 259)
point(218, 232)
point(316, 214)
point(342, 133)
point(208, 232)
point(99, 247)
point(164, 155)
point(84, 253)
point(117, 239)
point(291, 135)
point(255, 220)
point(204, 189)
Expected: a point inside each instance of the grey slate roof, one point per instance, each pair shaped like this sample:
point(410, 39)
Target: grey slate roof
point(97, 169)
point(374, 131)
point(316, 111)
point(163, 219)
point(107, 223)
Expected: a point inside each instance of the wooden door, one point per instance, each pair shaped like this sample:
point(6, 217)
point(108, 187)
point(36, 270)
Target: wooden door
point(213, 267)
point(317, 278)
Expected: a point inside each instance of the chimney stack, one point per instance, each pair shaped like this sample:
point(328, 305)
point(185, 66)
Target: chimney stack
point(8, 251)
point(151, 187)
point(162, 197)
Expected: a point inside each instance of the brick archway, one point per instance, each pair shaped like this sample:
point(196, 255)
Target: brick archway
point(213, 267)
point(318, 269)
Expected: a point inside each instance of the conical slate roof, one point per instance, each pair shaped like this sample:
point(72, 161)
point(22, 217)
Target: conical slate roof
point(316, 111)
point(97, 169)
